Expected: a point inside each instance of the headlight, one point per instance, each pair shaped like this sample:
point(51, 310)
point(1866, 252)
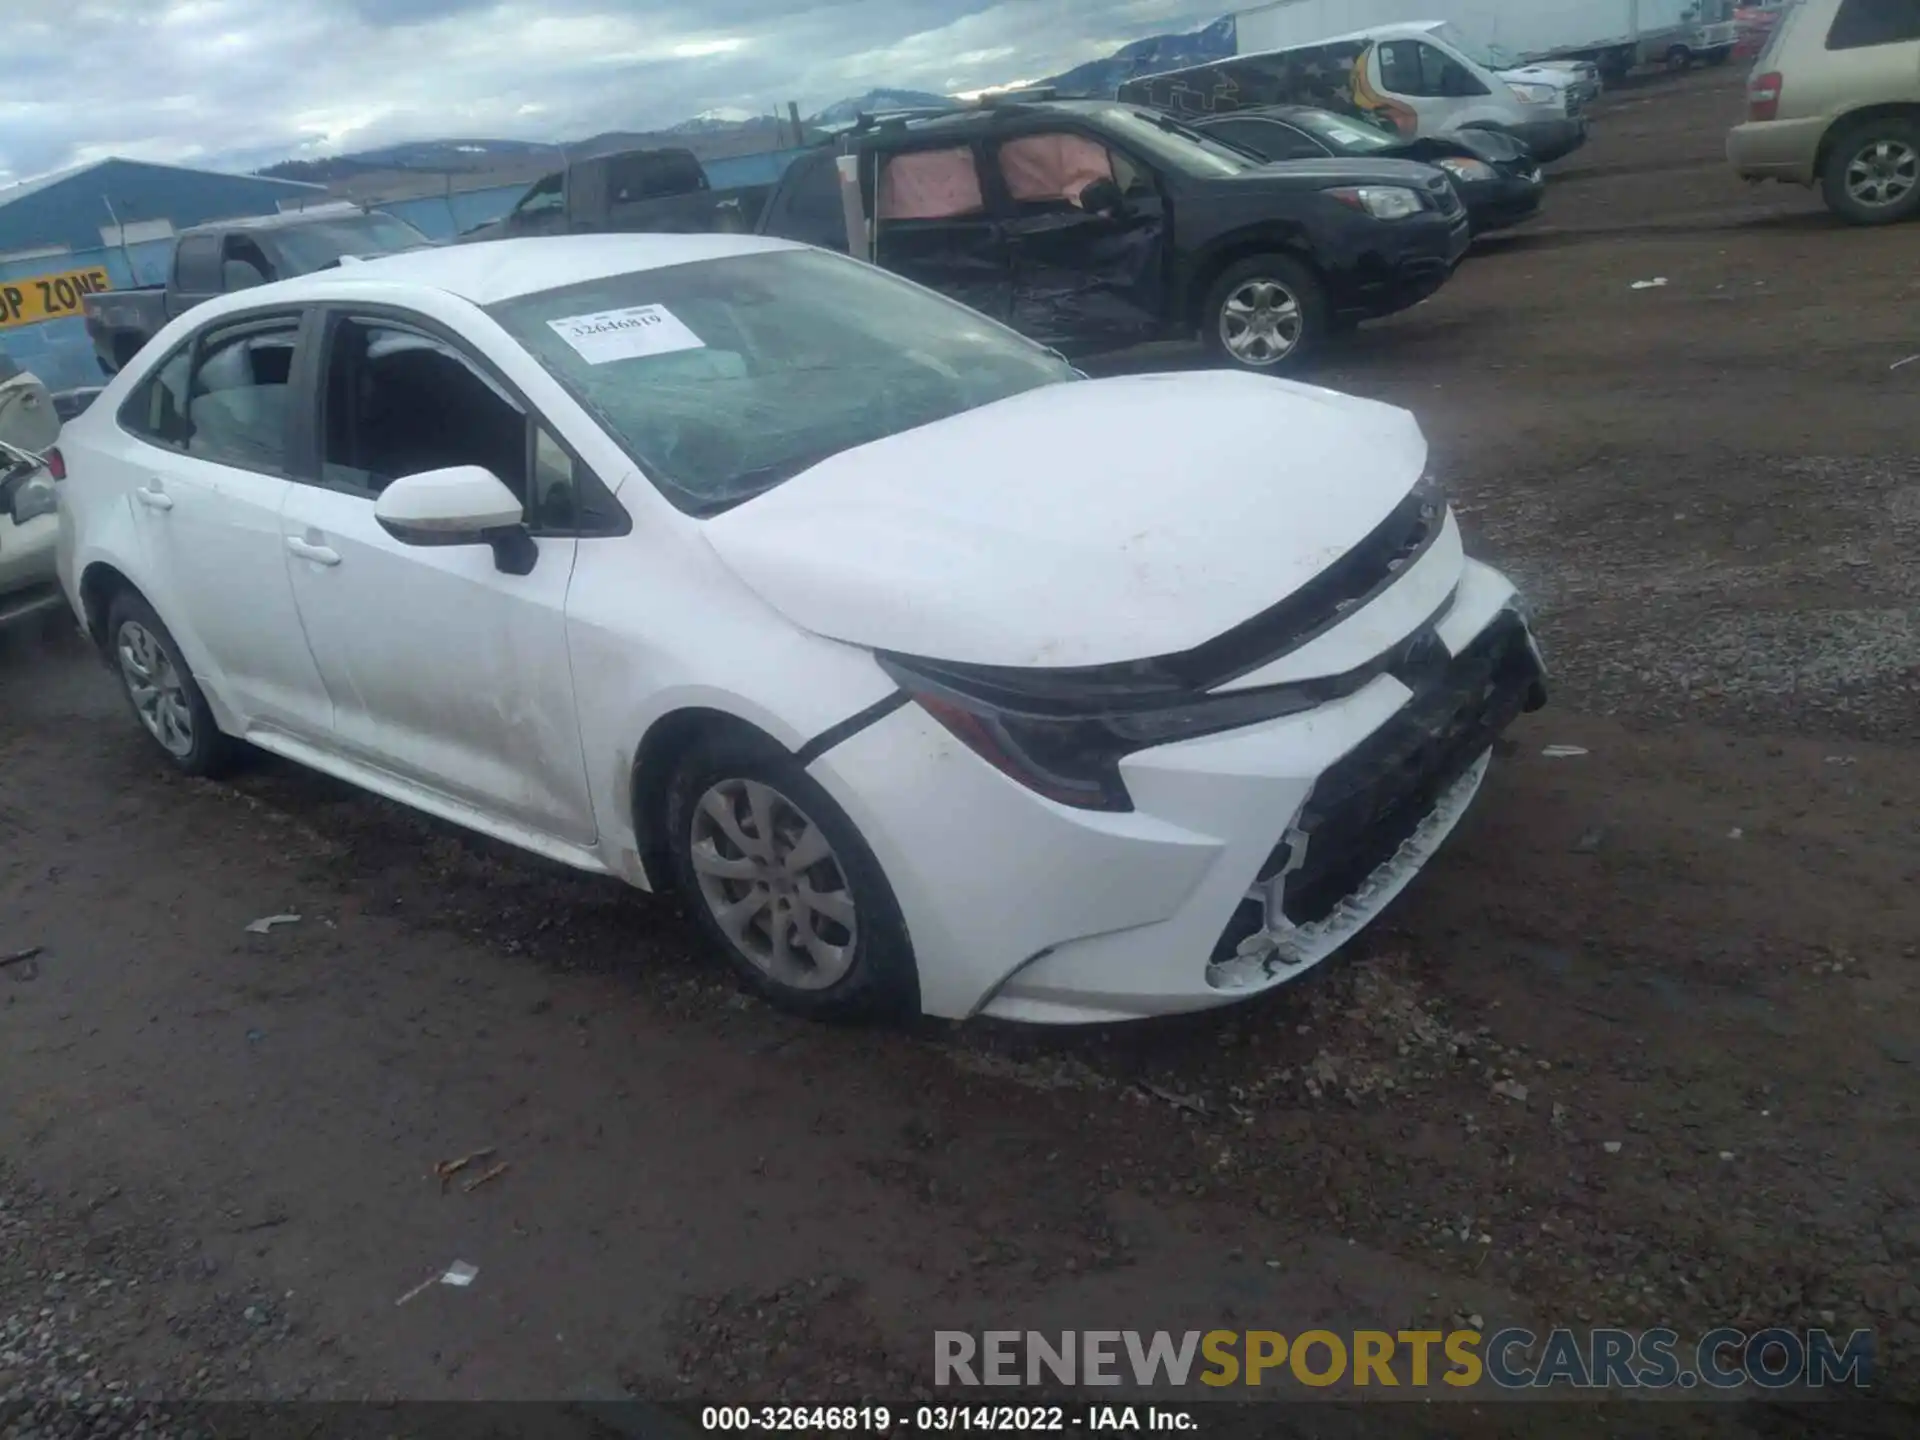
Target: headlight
point(1463, 169)
point(1383, 202)
point(34, 498)
point(1535, 94)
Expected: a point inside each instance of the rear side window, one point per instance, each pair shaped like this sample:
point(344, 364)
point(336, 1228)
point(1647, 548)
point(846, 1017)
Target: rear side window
point(647, 175)
point(196, 265)
point(237, 405)
point(157, 409)
point(1863, 23)
point(930, 185)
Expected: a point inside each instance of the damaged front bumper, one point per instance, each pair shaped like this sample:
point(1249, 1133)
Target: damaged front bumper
point(1293, 833)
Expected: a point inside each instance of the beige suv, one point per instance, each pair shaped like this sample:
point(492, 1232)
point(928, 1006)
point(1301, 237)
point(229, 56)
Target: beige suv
point(1834, 100)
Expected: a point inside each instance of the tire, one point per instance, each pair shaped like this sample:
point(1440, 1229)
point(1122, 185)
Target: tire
point(1243, 284)
point(860, 963)
point(1679, 60)
point(177, 718)
point(1888, 149)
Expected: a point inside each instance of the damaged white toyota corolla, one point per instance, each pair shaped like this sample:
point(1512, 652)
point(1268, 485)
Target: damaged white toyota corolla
point(936, 675)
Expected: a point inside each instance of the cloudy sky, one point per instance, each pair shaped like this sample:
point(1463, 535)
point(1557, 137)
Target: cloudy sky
point(237, 83)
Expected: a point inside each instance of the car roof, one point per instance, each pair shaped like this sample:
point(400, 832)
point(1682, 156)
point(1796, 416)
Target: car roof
point(285, 219)
point(979, 118)
point(488, 271)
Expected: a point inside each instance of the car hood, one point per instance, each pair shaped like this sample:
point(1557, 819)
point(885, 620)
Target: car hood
point(1078, 524)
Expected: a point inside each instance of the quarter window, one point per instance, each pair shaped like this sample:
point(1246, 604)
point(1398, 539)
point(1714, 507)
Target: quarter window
point(237, 405)
point(196, 265)
point(1863, 23)
point(157, 410)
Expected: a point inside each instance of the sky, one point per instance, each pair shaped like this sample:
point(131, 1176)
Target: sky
point(235, 84)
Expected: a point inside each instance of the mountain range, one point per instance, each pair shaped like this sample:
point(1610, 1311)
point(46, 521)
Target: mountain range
point(727, 131)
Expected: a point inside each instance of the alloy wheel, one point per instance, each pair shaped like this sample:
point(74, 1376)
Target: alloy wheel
point(769, 877)
point(1261, 322)
point(155, 686)
point(1883, 173)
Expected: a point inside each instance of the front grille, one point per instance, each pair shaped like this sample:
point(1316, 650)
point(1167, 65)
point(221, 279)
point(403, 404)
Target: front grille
point(1324, 601)
point(1365, 807)
point(1446, 199)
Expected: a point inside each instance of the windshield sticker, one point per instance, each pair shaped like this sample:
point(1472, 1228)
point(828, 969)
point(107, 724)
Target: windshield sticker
point(628, 334)
point(1343, 136)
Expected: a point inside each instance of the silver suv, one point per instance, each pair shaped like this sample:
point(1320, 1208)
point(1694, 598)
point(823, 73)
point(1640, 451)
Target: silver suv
point(1834, 100)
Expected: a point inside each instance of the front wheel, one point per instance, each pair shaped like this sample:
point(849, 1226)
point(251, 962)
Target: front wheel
point(1872, 174)
point(1266, 313)
point(781, 882)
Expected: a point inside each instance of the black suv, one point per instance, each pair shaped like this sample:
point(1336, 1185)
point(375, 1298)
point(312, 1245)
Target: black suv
point(1095, 225)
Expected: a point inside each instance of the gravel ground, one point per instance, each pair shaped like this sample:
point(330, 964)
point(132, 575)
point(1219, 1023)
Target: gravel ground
point(1640, 1046)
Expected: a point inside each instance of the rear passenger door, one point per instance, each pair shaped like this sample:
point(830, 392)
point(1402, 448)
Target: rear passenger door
point(932, 225)
point(212, 432)
point(1081, 281)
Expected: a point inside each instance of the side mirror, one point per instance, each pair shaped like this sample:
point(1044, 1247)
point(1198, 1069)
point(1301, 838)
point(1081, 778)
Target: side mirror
point(461, 505)
point(1102, 197)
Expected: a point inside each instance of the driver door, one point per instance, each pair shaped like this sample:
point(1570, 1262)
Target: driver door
point(1081, 282)
point(445, 673)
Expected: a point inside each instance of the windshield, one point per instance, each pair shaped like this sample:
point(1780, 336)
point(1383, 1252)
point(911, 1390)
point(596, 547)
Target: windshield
point(1345, 134)
point(724, 378)
point(1487, 57)
point(319, 243)
point(1167, 140)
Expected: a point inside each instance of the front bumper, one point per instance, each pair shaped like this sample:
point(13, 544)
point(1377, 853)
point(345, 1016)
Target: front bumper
point(1496, 204)
point(1406, 262)
point(1550, 140)
point(1027, 910)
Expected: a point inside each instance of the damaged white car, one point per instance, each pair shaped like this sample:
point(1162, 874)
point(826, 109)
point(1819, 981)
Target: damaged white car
point(937, 675)
point(31, 468)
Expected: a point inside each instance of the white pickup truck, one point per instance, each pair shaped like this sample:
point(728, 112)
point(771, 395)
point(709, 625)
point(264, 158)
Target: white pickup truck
point(29, 505)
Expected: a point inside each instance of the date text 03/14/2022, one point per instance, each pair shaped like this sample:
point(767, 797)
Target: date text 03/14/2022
point(944, 1419)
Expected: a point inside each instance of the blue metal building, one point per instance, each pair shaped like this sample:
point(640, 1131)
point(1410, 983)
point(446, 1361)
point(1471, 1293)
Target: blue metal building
point(112, 221)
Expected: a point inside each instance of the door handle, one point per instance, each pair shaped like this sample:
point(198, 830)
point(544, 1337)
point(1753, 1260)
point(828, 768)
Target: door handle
point(319, 554)
point(154, 498)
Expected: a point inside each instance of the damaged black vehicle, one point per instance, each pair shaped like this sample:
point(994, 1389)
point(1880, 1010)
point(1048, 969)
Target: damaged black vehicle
point(1093, 225)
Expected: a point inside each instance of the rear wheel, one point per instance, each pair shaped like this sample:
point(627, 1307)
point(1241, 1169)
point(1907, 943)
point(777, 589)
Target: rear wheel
point(1679, 60)
point(1872, 173)
point(780, 880)
point(161, 690)
point(1266, 313)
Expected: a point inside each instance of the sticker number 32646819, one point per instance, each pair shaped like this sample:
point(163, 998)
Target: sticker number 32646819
point(626, 334)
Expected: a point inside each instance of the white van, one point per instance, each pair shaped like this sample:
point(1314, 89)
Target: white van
point(1417, 79)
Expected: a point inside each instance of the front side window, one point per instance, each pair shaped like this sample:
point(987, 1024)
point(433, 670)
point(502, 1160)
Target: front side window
point(808, 206)
point(1412, 67)
point(1863, 23)
point(238, 402)
point(725, 378)
point(398, 401)
point(1052, 168)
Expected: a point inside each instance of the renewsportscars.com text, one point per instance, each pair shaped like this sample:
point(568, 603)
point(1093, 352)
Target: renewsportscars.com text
point(1456, 1361)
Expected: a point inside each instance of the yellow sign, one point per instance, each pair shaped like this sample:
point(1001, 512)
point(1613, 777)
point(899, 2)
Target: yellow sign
point(49, 297)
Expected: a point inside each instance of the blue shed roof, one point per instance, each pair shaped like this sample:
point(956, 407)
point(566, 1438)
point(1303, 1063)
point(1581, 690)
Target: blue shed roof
point(71, 208)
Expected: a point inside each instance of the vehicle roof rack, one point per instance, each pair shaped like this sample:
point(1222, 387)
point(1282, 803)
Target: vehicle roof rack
point(873, 120)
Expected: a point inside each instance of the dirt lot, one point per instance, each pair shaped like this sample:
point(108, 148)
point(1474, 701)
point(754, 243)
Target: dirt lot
point(1641, 1046)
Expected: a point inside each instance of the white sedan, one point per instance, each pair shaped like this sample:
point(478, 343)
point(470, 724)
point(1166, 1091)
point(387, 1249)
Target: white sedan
point(939, 676)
